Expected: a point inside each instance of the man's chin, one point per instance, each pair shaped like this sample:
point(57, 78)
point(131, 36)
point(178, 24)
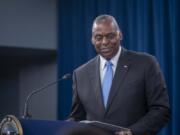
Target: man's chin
point(107, 57)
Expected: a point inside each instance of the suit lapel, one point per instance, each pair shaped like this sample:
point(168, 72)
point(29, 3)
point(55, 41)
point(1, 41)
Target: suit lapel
point(96, 83)
point(121, 70)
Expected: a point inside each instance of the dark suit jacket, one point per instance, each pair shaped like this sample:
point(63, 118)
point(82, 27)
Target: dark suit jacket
point(138, 98)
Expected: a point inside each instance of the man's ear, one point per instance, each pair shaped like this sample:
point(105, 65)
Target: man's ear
point(92, 40)
point(120, 35)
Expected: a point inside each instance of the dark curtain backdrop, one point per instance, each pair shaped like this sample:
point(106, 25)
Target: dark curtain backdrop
point(148, 25)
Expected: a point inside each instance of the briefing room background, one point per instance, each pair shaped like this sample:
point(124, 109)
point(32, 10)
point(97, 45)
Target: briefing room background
point(40, 40)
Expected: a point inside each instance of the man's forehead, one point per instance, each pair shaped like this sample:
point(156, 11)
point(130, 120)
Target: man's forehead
point(103, 28)
point(104, 23)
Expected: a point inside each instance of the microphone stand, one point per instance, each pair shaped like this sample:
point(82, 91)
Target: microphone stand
point(26, 114)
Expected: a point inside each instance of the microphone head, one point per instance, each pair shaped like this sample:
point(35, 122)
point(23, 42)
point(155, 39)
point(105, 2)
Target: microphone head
point(67, 76)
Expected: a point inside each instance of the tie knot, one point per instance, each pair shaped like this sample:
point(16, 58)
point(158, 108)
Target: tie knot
point(108, 63)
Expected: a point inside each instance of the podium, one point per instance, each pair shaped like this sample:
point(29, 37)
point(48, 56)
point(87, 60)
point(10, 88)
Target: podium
point(44, 127)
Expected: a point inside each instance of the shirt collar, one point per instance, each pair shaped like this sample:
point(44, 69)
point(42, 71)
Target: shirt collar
point(114, 60)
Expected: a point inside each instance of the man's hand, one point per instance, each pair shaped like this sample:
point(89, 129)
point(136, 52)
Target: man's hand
point(128, 132)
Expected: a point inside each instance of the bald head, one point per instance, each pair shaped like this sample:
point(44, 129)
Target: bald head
point(105, 19)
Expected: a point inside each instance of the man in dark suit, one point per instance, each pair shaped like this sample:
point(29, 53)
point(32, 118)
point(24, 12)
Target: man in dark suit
point(119, 86)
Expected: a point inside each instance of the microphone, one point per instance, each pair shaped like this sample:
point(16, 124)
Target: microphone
point(26, 114)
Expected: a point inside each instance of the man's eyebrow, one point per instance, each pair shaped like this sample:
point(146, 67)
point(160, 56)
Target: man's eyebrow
point(105, 34)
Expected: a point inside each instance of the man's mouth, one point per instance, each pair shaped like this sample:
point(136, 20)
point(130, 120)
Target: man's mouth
point(105, 50)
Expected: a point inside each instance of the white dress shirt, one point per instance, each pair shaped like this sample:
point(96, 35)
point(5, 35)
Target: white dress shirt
point(114, 61)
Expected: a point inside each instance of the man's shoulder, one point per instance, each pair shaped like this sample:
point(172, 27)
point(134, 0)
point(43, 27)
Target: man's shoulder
point(88, 65)
point(140, 56)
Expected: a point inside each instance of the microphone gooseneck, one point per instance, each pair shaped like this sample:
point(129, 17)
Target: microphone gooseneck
point(26, 114)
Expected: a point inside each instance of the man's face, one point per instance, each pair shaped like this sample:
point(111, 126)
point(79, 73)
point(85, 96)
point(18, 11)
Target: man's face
point(106, 39)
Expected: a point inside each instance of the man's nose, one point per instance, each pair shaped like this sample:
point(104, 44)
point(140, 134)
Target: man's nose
point(105, 41)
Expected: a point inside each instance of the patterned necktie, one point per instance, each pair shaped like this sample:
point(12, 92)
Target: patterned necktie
point(107, 81)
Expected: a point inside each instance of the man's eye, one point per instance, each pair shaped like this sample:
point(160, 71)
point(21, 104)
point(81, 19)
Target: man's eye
point(98, 38)
point(111, 36)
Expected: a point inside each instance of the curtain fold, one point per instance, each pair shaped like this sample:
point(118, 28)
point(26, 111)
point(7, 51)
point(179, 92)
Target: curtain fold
point(147, 25)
